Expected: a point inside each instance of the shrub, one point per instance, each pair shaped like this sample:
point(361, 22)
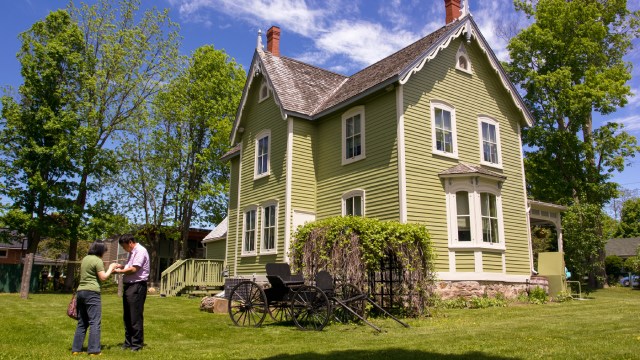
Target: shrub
point(538, 296)
point(350, 247)
point(614, 267)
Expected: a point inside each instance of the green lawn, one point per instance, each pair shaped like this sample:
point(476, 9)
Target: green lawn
point(607, 326)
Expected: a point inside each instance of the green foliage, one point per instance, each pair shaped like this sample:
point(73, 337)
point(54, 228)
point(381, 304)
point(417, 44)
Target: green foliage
point(629, 219)
point(614, 267)
point(475, 302)
point(349, 247)
point(569, 62)
point(632, 264)
point(38, 130)
point(538, 296)
point(583, 240)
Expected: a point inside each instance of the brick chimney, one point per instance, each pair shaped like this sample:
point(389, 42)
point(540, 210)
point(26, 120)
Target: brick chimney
point(452, 9)
point(273, 40)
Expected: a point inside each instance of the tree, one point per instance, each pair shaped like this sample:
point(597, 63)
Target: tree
point(583, 242)
point(629, 219)
point(172, 171)
point(38, 129)
point(130, 56)
point(569, 62)
point(614, 267)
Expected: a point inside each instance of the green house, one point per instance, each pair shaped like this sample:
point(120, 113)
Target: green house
point(430, 134)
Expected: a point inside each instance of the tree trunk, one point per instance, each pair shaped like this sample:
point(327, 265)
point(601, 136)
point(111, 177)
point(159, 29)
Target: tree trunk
point(26, 275)
point(80, 203)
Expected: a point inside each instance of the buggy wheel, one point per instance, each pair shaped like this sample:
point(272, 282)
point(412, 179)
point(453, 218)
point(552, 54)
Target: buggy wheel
point(352, 297)
point(280, 311)
point(310, 308)
point(247, 304)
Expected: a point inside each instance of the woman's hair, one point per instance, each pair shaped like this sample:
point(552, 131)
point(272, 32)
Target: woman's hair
point(97, 248)
point(126, 238)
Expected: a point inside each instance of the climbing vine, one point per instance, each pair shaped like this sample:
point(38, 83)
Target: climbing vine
point(350, 247)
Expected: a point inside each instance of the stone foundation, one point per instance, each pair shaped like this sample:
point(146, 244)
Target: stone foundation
point(469, 289)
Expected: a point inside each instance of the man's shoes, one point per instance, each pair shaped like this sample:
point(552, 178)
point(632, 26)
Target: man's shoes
point(136, 349)
point(77, 353)
point(95, 354)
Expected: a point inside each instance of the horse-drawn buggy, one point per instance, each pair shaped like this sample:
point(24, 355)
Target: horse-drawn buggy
point(310, 305)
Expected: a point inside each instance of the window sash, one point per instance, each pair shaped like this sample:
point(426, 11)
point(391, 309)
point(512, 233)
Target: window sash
point(263, 155)
point(269, 228)
point(489, 213)
point(489, 143)
point(353, 206)
point(444, 131)
point(250, 231)
point(353, 137)
point(463, 216)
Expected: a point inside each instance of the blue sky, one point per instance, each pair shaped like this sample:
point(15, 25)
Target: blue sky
point(339, 35)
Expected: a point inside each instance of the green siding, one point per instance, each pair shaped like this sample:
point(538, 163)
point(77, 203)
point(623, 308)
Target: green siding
point(303, 182)
point(216, 249)
point(472, 95)
point(264, 116)
point(492, 262)
point(376, 174)
point(465, 261)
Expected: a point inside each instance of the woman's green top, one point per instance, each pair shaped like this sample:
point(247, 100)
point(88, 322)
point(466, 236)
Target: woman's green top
point(91, 266)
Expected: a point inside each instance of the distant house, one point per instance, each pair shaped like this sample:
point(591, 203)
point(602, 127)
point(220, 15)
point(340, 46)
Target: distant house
point(13, 251)
point(623, 247)
point(215, 243)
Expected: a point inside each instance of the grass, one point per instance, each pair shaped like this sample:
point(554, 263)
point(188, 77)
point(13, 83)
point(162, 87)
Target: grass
point(607, 326)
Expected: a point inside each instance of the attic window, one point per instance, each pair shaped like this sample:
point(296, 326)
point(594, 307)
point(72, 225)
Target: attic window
point(264, 92)
point(462, 59)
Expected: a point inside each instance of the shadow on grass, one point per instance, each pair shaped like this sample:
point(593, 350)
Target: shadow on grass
point(389, 354)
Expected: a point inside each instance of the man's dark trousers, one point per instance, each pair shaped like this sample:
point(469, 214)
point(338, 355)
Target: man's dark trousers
point(133, 300)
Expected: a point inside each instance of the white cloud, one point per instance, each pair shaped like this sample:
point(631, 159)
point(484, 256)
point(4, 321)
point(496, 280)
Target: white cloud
point(631, 122)
point(634, 99)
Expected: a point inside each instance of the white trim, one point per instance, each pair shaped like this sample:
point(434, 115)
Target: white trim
point(235, 261)
point(477, 257)
point(350, 194)
point(263, 206)
point(402, 171)
point(356, 110)
point(491, 121)
point(287, 195)
point(468, 26)
point(483, 276)
point(462, 52)
point(526, 204)
point(261, 135)
point(452, 261)
point(256, 230)
point(264, 85)
point(438, 104)
point(474, 187)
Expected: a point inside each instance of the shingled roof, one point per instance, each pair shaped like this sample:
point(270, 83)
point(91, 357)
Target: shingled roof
point(623, 247)
point(469, 169)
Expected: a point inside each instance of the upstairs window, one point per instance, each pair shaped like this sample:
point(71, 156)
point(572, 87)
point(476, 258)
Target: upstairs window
point(249, 234)
point(264, 92)
point(269, 228)
point(463, 62)
point(353, 145)
point(489, 142)
point(263, 145)
point(353, 203)
point(443, 126)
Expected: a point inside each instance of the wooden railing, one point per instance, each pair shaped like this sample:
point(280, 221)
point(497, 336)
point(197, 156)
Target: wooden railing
point(189, 274)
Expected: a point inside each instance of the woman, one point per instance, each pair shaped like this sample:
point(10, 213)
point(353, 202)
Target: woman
point(89, 304)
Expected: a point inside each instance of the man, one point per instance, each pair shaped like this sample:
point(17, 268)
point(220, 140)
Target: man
point(136, 275)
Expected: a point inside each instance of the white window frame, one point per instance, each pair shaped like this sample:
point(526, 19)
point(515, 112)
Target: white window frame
point(488, 120)
point(267, 171)
point(437, 104)
point(256, 227)
point(350, 194)
point(264, 86)
point(5, 255)
point(263, 248)
point(474, 186)
point(462, 53)
point(358, 110)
